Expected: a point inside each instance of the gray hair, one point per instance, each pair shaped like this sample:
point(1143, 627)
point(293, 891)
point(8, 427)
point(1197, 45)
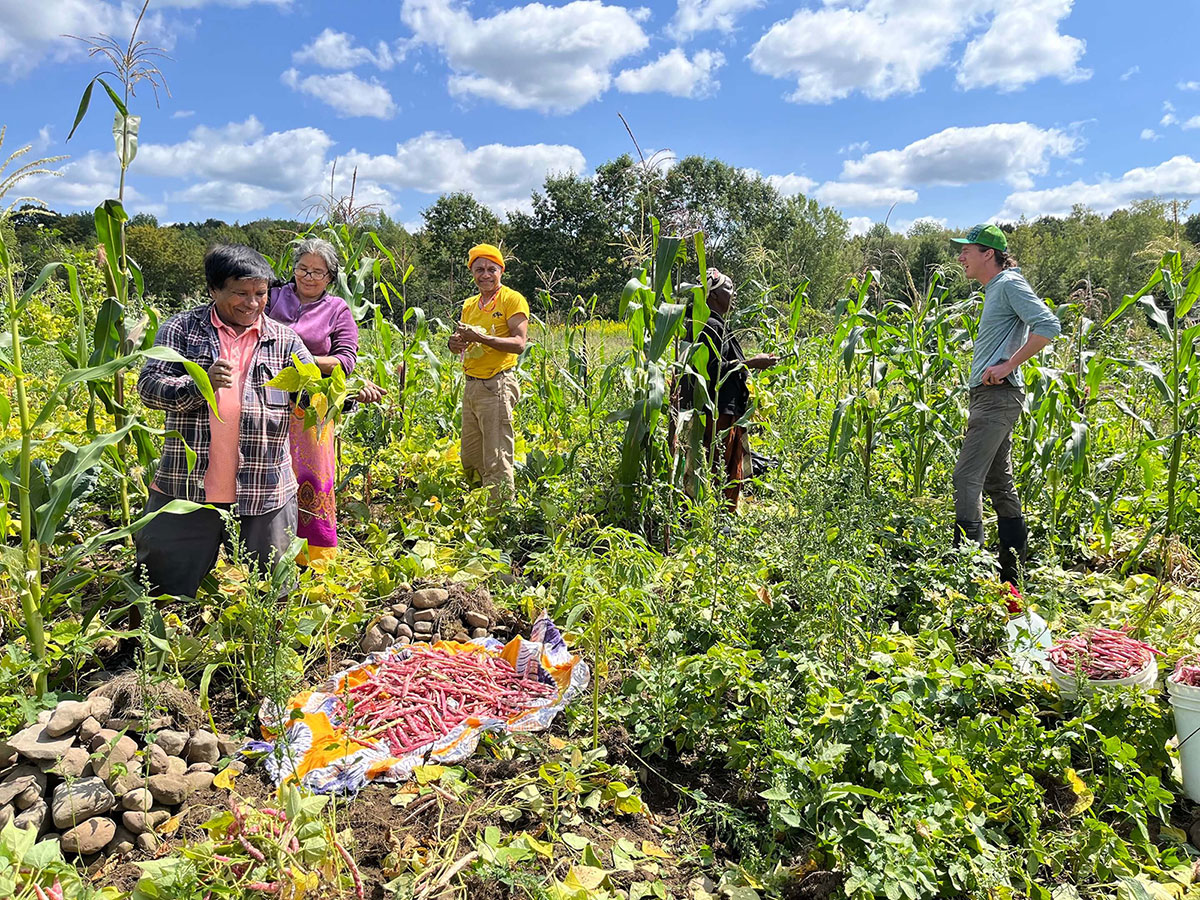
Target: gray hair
point(318, 247)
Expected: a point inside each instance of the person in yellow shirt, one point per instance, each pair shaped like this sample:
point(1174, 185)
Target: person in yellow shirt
point(490, 335)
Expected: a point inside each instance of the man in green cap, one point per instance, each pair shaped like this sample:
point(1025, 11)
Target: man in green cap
point(1014, 326)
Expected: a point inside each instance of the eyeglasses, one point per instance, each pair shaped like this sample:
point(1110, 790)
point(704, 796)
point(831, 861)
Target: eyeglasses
point(319, 274)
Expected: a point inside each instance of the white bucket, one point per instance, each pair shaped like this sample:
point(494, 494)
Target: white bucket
point(1069, 685)
point(1185, 700)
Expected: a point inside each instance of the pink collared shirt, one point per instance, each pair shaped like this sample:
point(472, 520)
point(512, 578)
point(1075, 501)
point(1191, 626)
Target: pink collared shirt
point(220, 481)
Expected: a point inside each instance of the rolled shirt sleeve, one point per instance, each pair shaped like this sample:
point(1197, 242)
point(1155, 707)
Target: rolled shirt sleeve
point(167, 385)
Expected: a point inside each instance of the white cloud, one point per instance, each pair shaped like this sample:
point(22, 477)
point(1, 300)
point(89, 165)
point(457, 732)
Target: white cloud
point(1012, 152)
point(548, 58)
point(336, 50)
point(885, 47)
point(694, 16)
point(859, 225)
point(183, 114)
point(791, 184)
point(1178, 177)
point(240, 168)
point(1130, 72)
point(856, 147)
point(1020, 48)
point(32, 31)
point(498, 175)
point(346, 93)
point(1169, 118)
point(673, 73)
point(1188, 85)
point(84, 183)
point(1149, 134)
point(1192, 123)
point(843, 193)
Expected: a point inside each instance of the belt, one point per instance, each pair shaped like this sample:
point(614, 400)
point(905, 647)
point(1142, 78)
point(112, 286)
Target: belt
point(490, 377)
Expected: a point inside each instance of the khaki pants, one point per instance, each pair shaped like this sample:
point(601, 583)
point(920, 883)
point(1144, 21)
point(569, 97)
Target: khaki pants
point(985, 463)
point(487, 430)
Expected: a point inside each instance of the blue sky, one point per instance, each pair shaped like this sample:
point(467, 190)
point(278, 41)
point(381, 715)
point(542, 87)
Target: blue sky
point(954, 110)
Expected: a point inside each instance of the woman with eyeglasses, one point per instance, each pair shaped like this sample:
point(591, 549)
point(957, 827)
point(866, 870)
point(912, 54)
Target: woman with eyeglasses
point(326, 326)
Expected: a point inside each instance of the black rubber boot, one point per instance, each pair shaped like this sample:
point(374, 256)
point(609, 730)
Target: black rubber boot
point(965, 529)
point(1014, 540)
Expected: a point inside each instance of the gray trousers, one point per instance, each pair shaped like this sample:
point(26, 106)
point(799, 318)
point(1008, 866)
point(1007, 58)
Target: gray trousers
point(985, 462)
point(176, 551)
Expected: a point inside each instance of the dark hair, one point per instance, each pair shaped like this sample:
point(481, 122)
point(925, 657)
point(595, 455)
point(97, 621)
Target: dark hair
point(236, 261)
point(1004, 259)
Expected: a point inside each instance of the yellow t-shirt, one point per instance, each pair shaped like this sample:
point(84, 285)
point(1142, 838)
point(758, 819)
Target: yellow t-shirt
point(481, 361)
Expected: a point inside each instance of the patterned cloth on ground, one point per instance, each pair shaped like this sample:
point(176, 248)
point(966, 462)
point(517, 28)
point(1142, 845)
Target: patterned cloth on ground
point(316, 750)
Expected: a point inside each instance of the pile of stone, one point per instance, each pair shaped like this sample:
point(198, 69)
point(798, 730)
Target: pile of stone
point(434, 614)
point(81, 774)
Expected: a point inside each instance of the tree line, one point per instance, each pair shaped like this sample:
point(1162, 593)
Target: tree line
point(585, 234)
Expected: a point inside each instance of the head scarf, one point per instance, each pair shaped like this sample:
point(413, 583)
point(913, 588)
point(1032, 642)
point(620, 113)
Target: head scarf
point(719, 281)
point(485, 251)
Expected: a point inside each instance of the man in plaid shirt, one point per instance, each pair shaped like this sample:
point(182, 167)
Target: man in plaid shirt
point(242, 464)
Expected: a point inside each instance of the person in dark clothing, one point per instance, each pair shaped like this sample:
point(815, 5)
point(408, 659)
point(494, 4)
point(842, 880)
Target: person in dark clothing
point(726, 373)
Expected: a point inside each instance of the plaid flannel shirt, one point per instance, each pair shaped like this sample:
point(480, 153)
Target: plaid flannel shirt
point(264, 480)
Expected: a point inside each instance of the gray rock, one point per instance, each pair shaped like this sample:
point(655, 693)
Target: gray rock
point(6, 814)
point(389, 624)
point(115, 762)
point(139, 799)
point(88, 729)
point(169, 790)
point(121, 783)
point(91, 836)
point(172, 742)
point(404, 631)
point(229, 745)
point(139, 724)
point(44, 716)
point(424, 638)
point(479, 632)
point(476, 619)
point(123, 841)
point(199, 781)
point(75, 763)
point(139, 822)
point(8, 756)
point(147, 842)
point(156, 759)
point(75, 801)
point(176, 766)
point(27, 798)
point(33, 743)
point(403, 641)
point(37, 817)
point(101, 708)
point(203, 748)
point(200, 767)
point(20, 780)
point(67, 716)
point(430, 598)
point(423, 628)
point(399, 610)
point(425, 615)
point(374, 640)
point(105, 737)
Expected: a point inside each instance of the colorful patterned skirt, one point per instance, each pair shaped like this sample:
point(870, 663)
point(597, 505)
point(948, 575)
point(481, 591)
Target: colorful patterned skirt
point(314, 460)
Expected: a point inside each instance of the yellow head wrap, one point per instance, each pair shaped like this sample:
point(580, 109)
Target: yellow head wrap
point(485, 251)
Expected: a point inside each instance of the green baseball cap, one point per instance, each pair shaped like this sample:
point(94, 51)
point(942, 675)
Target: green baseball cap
point(985, 236)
